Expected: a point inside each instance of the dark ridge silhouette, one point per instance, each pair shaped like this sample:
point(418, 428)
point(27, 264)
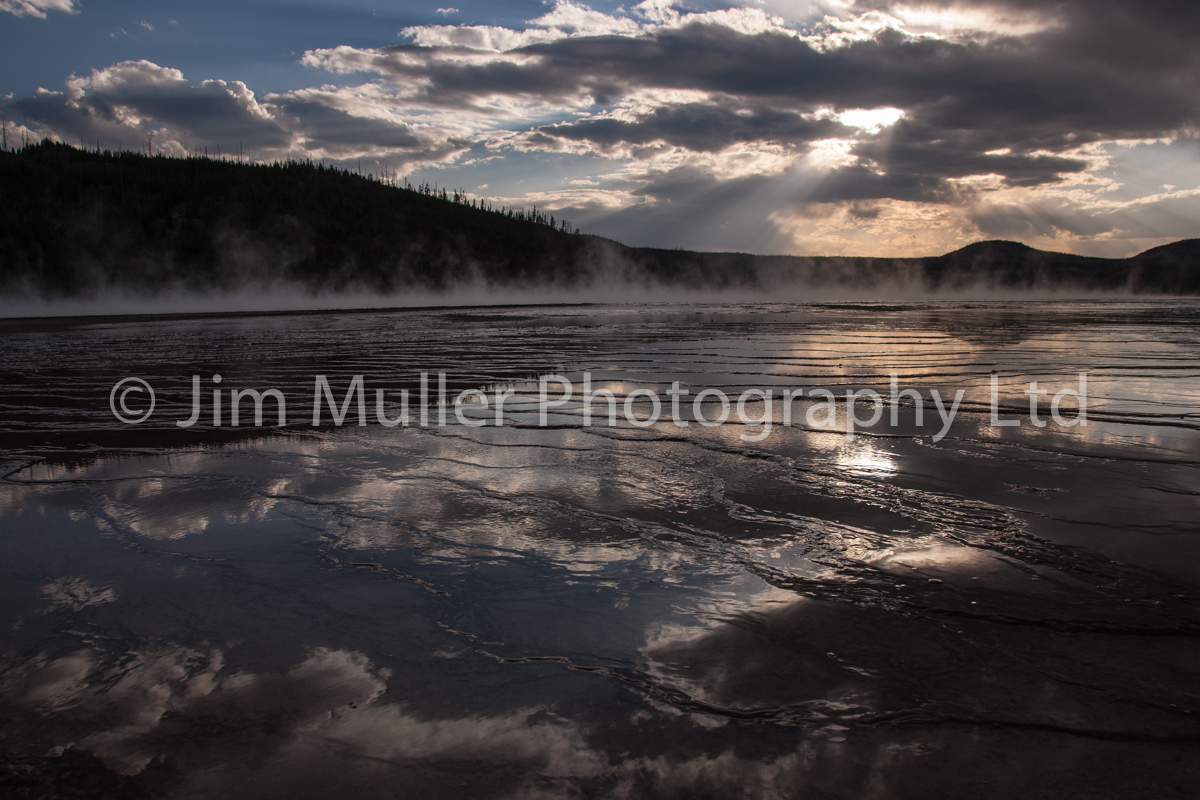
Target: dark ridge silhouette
point(1171, 265)
point(77, 223)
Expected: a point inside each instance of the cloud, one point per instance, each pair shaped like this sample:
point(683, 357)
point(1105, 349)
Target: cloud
point(134, 99)
point(961, 100)
point(566, 19)
point(341, 123)
point(129, 102)
point(947, 101)
point(699, 127)
point(37, 8)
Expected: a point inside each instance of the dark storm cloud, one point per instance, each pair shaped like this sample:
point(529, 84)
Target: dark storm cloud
point(858, 182)
point(701, 128)
point(1047, 95)
point(795, 187)
point(1031, 97)
point(915, 149)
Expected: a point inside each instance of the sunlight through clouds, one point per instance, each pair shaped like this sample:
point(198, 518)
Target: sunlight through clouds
point(871, 120)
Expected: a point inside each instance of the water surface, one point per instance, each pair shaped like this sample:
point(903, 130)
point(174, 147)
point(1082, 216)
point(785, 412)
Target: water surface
point(521, 611)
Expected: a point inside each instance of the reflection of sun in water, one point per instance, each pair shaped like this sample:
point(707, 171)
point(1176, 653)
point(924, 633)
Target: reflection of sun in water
point(864, 459)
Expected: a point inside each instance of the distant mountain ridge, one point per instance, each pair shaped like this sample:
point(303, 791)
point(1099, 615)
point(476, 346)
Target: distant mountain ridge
point(77, 223)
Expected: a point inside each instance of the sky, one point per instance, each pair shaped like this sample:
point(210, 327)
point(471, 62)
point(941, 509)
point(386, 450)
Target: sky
point(861, 127)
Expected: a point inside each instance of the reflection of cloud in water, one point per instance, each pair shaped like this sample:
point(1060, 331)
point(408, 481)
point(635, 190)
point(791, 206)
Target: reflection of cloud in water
point(75, 594)
point(125, 714)
point(159, 523)
point(325, 726)
point(186, 502)
point(809, 578)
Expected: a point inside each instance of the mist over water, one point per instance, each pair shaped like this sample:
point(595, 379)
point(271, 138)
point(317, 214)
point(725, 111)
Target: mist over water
point(114, 233)
point(283, 298)
point(567, 611)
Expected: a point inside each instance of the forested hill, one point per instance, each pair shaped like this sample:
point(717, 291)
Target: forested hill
point(77, 223)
